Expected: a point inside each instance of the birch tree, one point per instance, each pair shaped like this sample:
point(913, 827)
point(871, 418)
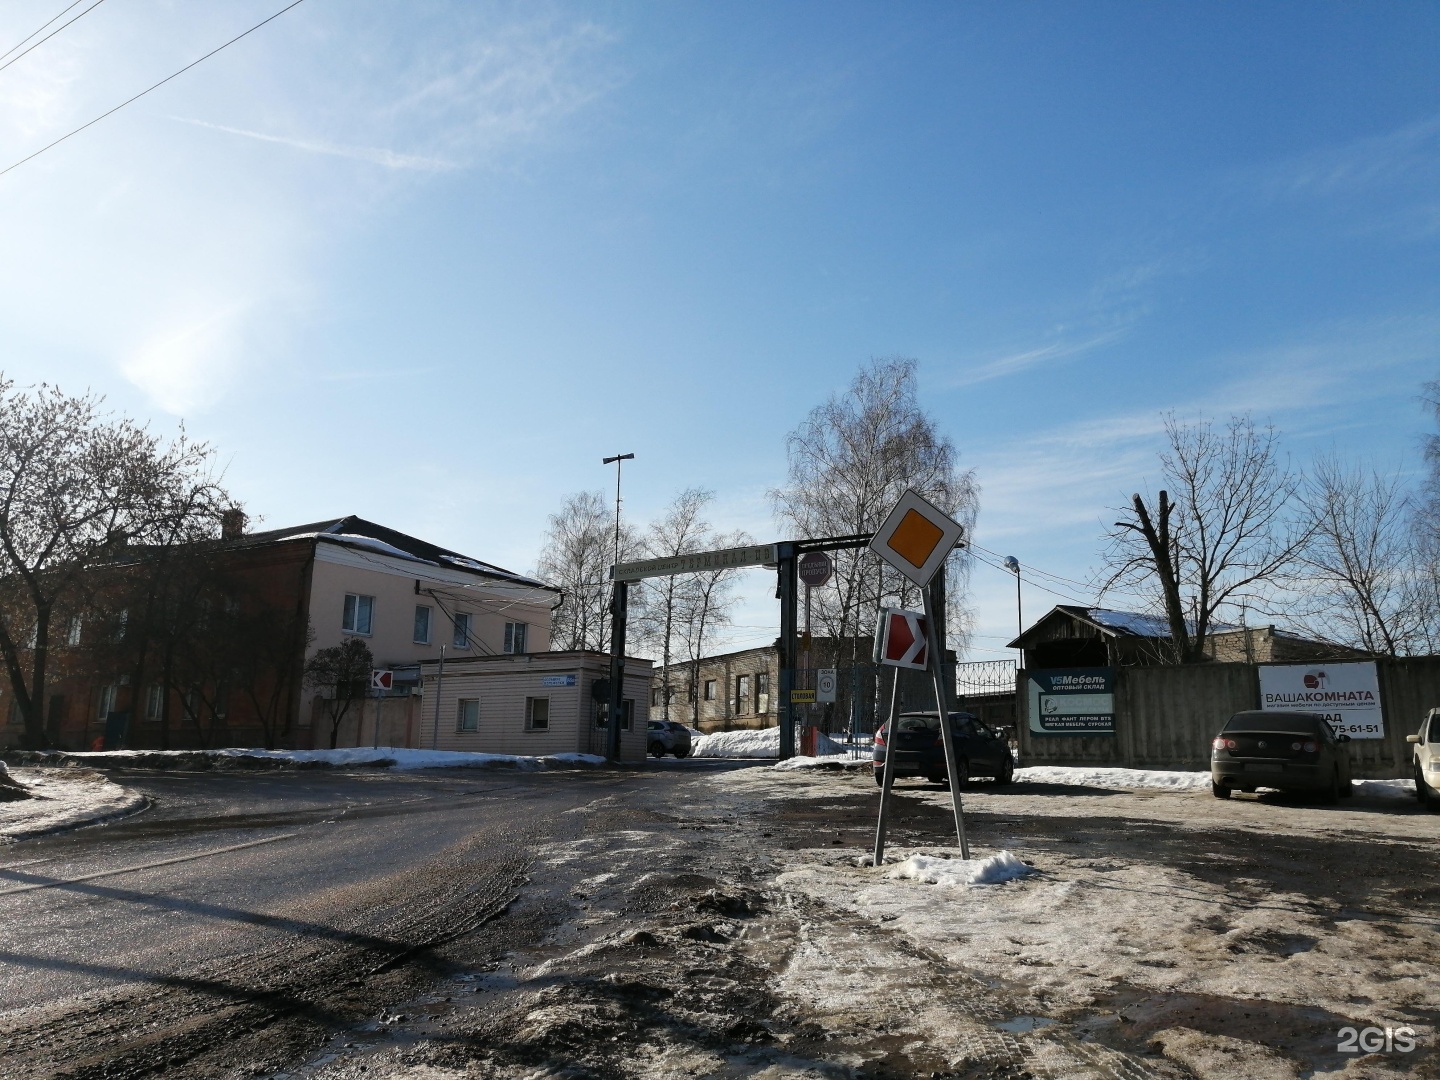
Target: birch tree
point(578, 550)
point(76, 487)
point(849, 462)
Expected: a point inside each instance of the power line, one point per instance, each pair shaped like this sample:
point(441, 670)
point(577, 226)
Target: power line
point(162, 82)
point(52, 33)
point(76, 4)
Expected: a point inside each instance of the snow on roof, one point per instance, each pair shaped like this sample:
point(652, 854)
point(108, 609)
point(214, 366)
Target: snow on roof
point(373, 544)
point(1142, 625)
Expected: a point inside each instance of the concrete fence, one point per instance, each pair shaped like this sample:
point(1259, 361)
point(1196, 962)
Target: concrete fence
point(1165, 717)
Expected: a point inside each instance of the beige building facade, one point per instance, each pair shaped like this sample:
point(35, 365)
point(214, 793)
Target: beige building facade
point(534, 704)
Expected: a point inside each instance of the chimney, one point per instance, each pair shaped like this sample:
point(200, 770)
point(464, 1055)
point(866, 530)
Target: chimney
point(232, 524)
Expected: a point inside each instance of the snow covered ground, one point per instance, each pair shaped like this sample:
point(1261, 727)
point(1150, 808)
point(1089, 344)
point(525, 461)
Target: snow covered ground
point(64, 799)
point(393, 757)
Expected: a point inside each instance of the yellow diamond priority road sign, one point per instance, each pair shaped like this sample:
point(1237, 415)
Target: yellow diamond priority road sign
point(915, 538)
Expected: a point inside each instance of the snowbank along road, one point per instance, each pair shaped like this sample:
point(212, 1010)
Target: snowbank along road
point(712, 920)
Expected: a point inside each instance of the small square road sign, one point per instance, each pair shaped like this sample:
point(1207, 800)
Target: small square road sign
point(381, 680)
point(916, 537)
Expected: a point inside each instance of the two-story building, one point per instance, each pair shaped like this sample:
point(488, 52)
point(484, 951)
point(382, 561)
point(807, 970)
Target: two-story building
point(324, 583)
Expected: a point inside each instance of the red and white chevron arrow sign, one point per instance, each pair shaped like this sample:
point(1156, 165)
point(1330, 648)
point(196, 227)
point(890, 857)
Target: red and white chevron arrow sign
point(900, 639)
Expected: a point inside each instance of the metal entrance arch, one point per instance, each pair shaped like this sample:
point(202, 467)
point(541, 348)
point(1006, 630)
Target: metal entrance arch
point(783, 556)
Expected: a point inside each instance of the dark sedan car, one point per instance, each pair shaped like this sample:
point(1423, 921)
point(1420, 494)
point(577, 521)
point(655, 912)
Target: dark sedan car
point(1289, 751)
point(919, 749)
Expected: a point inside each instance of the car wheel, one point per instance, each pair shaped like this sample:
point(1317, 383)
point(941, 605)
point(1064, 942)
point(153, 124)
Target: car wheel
point(936, 778)
point(1424, 792)
point(1220, 791)
point(1347, 789)
point(879, 778)
point(962, 773)
point(1007, 771)
point(682, 751)
point(1330, 794)
point(656, 750)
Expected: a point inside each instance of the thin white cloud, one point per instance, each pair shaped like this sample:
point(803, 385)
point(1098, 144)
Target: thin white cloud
point(372, 155)
point(1407, 153)
point(1024, 361)
point(190, 364)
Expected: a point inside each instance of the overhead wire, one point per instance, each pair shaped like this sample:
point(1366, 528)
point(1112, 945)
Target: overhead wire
point(156, 86)
point(27, 37)
point(50, 35)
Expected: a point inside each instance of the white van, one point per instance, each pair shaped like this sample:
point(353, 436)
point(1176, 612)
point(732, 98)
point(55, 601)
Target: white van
point(1427, 760)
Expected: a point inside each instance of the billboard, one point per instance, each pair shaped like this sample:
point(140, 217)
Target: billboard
point(1072, 701)
point(1348, 695)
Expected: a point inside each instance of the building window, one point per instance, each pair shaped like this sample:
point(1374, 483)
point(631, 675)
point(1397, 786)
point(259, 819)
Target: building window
point(107, 702)
point(461, 637)
point(468, 715)
point(154, 701)
point(762, 691)
point(359, 614)
point(422, 624)
point(537, 714)
point(72, 633)
point(654, 696)
point(742, 694)
point(709, 689)
point(515, 637)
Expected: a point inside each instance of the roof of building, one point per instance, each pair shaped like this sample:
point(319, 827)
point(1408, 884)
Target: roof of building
point(356, 532)
point(1115, 624)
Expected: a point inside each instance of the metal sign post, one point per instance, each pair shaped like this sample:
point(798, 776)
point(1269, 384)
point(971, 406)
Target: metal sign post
point(888, 775)
point(619, 607)
point(915, 539)
point(942, 703)
point(789, 580)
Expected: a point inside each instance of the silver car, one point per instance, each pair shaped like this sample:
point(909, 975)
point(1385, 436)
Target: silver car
point(667, 737)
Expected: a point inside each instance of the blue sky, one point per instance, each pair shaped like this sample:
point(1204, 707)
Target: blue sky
point(428, 262)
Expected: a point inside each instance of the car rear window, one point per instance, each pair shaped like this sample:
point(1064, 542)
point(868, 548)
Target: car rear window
point(1289, 722)
point(918, 723)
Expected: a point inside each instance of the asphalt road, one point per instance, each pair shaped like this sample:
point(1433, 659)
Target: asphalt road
point(240, 898)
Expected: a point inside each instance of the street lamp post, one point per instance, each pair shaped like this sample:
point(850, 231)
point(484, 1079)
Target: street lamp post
point(617, 459)
point(1013, 565)
point(618, 603)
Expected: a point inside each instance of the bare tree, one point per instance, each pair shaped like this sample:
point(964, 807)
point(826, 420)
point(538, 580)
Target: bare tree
point(1228, 537)
point(702, 611)
point(344, 671)
point(76, 486)
point(682, 530)
point(579, 548)
point(850, 461)
point(1359, 561)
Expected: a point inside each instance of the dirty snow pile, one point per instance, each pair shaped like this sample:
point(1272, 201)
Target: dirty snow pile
point(936, 871)
point(1121, 778)
point(403, 758)
point(761, 743)
point(64, 800)
point(395, 757)
point(1178, 781)
point(758, 743)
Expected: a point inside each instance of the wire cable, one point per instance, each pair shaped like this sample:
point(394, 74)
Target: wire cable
point(12, 48)
point(48, 36)
point(162, 82)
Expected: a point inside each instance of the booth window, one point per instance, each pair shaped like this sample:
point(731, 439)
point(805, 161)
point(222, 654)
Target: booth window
point(537, 714)
point(468, 715)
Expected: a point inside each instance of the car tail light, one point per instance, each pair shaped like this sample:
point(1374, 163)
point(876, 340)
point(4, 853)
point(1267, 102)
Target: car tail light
point(1224, 744)
point(1217, 744)
point(1311, 747)
point(880, 736)
point(1294, 746)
